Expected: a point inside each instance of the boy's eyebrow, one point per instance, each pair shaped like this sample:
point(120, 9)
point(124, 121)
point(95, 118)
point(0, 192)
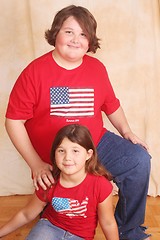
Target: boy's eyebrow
point(68, 28)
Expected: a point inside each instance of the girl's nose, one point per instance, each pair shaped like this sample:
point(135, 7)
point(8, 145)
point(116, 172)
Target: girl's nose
point(67, 156)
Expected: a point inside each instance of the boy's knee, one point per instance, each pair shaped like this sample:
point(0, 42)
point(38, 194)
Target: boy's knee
point(142, 156)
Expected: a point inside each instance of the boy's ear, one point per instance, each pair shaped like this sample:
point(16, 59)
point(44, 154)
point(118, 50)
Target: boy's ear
point(90, 153)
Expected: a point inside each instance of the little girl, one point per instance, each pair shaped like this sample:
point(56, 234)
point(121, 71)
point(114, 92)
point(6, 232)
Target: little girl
point(80, 197)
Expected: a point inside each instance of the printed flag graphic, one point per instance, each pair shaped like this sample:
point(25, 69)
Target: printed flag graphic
point(72, 102)
point(70, 207)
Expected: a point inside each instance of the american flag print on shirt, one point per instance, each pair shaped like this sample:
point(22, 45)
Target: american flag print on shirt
point(72, 102)
point(70, 207)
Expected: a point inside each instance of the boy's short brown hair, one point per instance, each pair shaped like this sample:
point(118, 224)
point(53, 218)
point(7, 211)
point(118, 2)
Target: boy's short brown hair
point(85, 20)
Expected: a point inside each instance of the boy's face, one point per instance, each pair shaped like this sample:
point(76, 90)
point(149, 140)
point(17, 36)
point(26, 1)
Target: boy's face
point(71, 42)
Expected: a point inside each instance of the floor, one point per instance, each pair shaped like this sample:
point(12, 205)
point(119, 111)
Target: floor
point(10, 205)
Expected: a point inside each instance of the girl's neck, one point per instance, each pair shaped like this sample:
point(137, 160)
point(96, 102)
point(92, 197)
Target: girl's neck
point(69, 181)
point(69, 65)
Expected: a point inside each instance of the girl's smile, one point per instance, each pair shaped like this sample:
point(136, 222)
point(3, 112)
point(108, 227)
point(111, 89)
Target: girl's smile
point(71, 158)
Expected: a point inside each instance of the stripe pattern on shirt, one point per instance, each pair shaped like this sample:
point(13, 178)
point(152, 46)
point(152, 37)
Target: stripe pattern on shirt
point(72, 102)
point(70, 207)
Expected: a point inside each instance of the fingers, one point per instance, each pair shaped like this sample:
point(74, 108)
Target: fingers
point(135, 140)
point(45, 181)
point(41, 181)
point(35, 184)
point(42, 176)
point(145, 146)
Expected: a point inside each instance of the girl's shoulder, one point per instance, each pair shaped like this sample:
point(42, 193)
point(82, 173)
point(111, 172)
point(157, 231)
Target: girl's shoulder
point(45, 195)
point(98, 179)
point(101, 186)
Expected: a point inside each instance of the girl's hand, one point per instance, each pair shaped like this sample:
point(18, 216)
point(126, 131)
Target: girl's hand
point(135, 140)
point(42, 176)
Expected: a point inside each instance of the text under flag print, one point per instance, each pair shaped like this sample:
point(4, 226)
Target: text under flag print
point(72, 102)
point(70, 207)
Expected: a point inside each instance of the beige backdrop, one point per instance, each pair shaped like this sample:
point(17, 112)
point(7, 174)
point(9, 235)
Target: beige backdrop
point(130, 49)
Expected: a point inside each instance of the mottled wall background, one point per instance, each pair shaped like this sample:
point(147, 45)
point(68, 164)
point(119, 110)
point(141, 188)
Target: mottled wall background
point(130, 49)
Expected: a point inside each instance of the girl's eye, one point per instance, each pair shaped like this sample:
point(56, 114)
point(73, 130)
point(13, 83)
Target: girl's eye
point(60, 150)
point(83, 35)
point(76, 151)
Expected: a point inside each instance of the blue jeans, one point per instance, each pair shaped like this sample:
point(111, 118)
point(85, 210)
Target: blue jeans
point(45, 230)
point(130, 166)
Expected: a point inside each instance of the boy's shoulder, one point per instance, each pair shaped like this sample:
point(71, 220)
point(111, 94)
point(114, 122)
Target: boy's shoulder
point(43, 58)
point(39, 62)
point(90, 60)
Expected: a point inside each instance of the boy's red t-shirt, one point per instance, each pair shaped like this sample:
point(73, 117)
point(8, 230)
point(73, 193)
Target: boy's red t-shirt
point(49, 97)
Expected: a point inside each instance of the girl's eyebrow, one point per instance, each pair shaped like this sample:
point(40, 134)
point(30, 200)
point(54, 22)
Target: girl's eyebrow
point(59, 146)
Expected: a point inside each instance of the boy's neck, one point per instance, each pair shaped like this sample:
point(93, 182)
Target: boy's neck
point(68, 65)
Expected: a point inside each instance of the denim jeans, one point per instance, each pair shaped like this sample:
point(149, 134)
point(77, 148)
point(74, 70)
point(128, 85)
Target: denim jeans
point(130, 166)
point(45, 230)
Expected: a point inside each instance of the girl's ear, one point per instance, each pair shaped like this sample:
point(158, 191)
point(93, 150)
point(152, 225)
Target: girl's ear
point(89, 154)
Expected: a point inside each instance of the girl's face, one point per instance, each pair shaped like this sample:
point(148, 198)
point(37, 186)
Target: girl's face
point(71, 158)
point(71, 42)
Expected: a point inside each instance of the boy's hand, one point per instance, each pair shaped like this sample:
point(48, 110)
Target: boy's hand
point(42, 175)
point(135, 140)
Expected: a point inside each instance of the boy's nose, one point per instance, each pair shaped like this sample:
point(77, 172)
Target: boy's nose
point(75, 39)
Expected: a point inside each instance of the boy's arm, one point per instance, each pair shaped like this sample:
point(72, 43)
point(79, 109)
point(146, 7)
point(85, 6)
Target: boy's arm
point(107, 220)
point(41, 171)
point(25, 215)
point(119, 121)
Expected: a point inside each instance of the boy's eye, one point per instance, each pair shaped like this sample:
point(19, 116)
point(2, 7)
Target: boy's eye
point(68, 32)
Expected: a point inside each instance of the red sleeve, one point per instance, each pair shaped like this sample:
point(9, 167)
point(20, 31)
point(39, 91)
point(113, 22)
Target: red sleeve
point(23, 97)
point(111, 103)
point(45, 195)
point(105, 188)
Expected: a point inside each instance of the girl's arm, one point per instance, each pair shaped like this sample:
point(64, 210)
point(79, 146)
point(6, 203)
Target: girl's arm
point(107, 220)
point(119, 121)
point(25, 215)
point(41, 171)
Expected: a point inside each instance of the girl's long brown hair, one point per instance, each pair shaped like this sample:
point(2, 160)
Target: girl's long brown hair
point(78, 134)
